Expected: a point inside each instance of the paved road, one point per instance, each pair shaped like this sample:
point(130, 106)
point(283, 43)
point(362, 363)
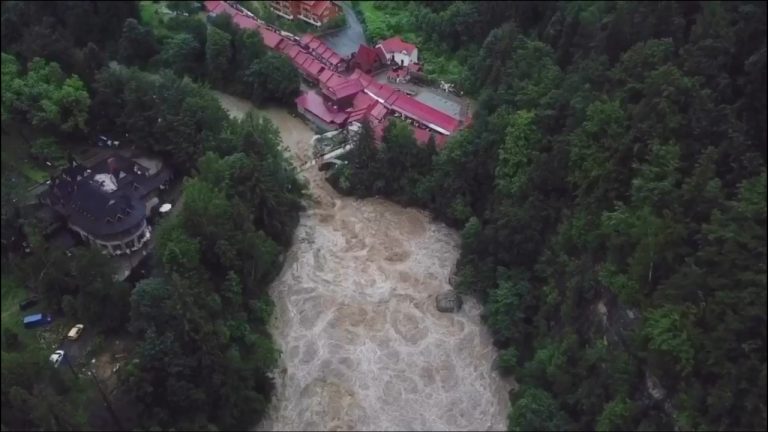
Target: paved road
point(348, 40)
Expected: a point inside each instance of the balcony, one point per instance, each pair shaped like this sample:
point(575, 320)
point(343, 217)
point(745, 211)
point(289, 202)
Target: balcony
point(310, 19)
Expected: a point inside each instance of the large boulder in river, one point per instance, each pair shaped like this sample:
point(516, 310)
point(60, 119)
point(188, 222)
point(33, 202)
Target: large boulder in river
point(449, 302)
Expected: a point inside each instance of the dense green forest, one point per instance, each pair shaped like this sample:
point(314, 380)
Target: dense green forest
point(611, 194)
point(72, 70)
point(612, 197)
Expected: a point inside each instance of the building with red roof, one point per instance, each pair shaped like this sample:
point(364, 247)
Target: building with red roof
point(367, 59)
point(343, 92)
point(425, 114)
point(316, 109)
point(398, 51)
point(322, 52)
point(313, 12)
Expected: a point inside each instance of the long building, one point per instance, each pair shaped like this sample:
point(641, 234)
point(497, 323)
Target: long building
point(340, 99)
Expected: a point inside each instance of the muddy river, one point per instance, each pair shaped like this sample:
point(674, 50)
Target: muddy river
point(363, 346)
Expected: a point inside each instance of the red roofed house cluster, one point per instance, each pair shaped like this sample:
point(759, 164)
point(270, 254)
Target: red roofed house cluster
point(347, 98)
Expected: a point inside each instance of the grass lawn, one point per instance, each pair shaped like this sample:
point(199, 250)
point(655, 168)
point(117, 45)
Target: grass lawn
point(383, 24)
point(33, 173)
point(13, 292)
point(256, 7)
point(16, 158)
point(149, 13)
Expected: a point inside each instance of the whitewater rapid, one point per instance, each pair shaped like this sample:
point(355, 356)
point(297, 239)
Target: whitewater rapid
point(363, 347)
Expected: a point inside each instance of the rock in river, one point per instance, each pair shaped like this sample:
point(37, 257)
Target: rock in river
point(449, 302)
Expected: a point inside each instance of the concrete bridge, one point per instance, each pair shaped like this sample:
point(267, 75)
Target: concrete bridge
point(341, 142)
point(328, 158)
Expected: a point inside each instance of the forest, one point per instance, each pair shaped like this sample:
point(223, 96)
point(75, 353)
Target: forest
point(611, 196)
point(610, 192)
point(74, 70)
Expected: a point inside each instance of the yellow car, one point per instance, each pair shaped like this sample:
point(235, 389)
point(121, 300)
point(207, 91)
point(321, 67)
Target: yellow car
point(75, 332)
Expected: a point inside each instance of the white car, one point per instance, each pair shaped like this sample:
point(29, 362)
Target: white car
point(56, 358)
point(75, 332)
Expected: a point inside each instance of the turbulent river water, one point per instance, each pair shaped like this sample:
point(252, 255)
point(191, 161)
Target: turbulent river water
point(363, 346)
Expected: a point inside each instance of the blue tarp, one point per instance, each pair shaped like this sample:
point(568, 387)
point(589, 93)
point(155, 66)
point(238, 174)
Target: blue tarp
point(33, 318)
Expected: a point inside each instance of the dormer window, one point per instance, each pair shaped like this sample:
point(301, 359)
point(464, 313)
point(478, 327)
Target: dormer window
point(128, 211)
point(136, 186)
point(118, 218)
point(109, 220)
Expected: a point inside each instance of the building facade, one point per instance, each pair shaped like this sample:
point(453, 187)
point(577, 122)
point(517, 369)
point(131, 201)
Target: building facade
point(108, 203)
point(314, 12)
point(399, 52)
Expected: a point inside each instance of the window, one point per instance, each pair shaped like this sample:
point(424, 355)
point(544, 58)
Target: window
point(118, 218)
point(109, 220)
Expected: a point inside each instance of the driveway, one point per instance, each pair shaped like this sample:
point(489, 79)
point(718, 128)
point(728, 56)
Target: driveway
point(75, 350)
point(347, 40)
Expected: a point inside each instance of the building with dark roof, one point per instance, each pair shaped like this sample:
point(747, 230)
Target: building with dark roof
point(108, 203)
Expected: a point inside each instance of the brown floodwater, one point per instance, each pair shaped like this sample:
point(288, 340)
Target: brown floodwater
point(363, 347)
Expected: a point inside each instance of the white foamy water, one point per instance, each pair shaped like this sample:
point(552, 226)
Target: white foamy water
point(363, 346)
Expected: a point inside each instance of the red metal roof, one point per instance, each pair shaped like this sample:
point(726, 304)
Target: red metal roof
point(270, 38)
point(244, 21)
point(313, 67)
point(291, 50)
point(395, 44)
point(382, 92)
point(426, 114)
point(306, 39)
point(213, 6)
point(321, 50)
point(313, 103)
point(329, 78)
point(367, 57)
point(308, 65)
point(362, 100)
point(344, 89)
point(378, 112)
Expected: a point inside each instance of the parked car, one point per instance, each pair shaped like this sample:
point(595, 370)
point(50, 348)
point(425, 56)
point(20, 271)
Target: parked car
point(56, 357)
point(37, 320)
point(74, 333)
point(28, 302)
